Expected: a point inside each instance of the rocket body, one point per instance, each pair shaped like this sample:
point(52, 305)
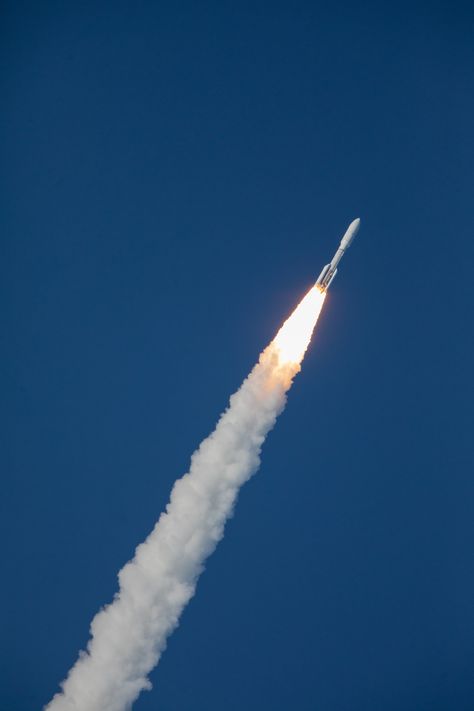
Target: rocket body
point(329, 271)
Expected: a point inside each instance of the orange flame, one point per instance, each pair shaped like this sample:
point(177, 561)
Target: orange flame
point(294, 336)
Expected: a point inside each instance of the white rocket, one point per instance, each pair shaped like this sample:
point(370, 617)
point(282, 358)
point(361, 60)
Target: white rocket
point(330, 270)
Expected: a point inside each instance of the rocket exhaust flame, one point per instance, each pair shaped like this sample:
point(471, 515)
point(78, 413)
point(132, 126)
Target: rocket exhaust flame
point(129, 635)
point(294, 336)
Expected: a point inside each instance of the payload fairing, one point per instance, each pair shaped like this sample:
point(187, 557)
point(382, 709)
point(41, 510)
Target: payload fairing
point(330, 270)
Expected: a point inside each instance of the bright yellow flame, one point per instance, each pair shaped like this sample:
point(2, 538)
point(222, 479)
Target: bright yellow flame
point(294, 336)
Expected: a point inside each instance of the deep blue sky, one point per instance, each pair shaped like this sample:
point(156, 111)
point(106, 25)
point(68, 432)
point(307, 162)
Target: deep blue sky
point(174, 176)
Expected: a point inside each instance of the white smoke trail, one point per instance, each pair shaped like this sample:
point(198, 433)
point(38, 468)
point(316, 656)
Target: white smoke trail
point(129, 635)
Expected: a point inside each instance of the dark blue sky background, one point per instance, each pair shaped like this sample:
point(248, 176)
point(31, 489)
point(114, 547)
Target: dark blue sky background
point(174, 176)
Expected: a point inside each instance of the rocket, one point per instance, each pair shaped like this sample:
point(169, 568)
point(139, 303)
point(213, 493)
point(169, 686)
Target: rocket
point(330, 270)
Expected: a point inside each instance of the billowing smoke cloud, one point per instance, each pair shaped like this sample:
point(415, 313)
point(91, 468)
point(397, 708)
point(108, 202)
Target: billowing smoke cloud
point(129, 635)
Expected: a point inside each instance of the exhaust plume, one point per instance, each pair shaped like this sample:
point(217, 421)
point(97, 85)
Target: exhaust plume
point(129, 635)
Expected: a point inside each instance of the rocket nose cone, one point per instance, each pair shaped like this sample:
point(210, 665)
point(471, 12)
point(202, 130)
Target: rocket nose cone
point(353, 228)
point(350, 233)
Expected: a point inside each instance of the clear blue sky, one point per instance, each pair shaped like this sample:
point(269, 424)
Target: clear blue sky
point(174, 176)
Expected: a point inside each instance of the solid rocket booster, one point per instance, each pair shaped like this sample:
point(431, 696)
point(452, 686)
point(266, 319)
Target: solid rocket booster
point(330, 270)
